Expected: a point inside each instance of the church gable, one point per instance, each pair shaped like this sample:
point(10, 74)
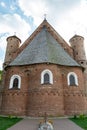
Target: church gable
point(53, 32)
point(44, 49)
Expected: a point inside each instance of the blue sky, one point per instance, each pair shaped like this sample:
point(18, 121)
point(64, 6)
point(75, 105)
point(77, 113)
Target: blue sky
point(68, 17)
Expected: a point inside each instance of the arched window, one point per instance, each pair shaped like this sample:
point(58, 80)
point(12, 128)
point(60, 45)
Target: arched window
point(15, 82)
point(72, 79)
point(46, 77)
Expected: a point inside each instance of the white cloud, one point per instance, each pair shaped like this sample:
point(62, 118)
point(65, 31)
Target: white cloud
point(72, 17)
point(75, 22)
point(3, 4)
point(14, 23)
point(54, 9)
point(67, 17)
point(34, 8)
point(10, 24)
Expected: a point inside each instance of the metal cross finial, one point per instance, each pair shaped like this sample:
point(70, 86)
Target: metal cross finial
point(45, 16)
point(15, 33)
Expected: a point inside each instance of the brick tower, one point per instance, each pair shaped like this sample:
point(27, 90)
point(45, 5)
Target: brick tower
point(13, 43)
point(77, 43)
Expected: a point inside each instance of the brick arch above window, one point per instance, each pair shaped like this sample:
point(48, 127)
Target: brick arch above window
point(72, 79)
point(46, 77)
point(15, 82)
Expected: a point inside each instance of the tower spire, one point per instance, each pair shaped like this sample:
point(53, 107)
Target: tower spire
point(45, 15)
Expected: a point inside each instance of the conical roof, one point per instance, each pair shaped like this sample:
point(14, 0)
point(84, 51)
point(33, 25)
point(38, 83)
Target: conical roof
point(44, 49)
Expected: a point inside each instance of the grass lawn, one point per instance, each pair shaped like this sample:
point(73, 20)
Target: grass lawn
point(82, 122)
point(6, 122)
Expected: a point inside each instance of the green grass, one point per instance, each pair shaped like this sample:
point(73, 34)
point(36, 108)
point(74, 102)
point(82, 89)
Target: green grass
point(82, 122)
point(6, 122)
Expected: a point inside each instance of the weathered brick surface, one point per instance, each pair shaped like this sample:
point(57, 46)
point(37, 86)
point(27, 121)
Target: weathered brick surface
point(34, 98)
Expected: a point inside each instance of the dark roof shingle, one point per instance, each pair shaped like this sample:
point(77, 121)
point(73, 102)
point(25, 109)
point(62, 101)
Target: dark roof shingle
point(44, 49)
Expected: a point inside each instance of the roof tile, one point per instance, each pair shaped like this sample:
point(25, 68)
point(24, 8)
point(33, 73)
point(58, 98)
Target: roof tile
point(44, 49)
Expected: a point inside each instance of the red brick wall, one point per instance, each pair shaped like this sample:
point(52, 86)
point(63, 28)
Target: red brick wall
point(34, 99)
point(14, 103)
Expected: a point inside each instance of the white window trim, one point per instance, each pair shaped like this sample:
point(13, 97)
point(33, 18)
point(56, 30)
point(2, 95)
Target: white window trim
point(50, 76)
point(76, 78)
point(12, 79)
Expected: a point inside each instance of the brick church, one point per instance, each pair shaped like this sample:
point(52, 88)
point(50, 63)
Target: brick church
point(44, 74)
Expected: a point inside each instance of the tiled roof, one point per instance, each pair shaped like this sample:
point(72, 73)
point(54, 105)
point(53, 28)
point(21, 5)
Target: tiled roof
point(44, 49)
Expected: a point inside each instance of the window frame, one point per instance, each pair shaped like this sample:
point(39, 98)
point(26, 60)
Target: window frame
point(12, 81)
point(75, 76)
point(50, 76)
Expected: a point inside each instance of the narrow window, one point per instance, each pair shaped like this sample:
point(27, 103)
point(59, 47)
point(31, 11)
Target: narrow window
point(15, 82)
point(72, 79)
point(46, 77)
